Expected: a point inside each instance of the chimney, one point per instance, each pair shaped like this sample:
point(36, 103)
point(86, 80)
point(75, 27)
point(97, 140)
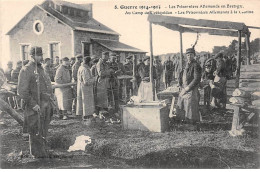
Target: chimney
point(90, 13)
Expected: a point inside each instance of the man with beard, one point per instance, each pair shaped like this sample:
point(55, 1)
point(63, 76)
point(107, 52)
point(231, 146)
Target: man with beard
point(34, 87)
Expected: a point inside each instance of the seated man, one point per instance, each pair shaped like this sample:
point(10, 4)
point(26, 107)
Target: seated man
point(207, 76)
point(218, 91)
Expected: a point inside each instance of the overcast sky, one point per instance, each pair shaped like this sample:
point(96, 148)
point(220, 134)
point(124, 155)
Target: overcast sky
point(134, 29)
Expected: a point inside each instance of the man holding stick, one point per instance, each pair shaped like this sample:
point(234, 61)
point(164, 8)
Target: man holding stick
point(34, 87)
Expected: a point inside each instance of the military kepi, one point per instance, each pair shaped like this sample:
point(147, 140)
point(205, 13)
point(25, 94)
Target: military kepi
point(190, 50)
point(36, 51)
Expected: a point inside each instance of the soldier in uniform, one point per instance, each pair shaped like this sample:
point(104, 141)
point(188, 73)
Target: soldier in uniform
point(207, 77)
point(75, 68)
point(168, 71)
point(47, 68)
point(159, 70)
point(145, 89)
point(9, 70)
point(64, 94)
point(139, 66)
point(16, 71)
point(128, 66)
point(103, 86)
point(189, 81)
point(38, 110)
point(113, 94)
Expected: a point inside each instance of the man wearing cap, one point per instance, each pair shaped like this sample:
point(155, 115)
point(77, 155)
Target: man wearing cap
point(76, 66)
point(207, 76)
point(128, 66)
point(47, 68)
point(168, 71)
point(220, 65)
point(64, 94)
point(103, 86)
point(189, 81)
point(16, 71)
point(72, 61)
point(93, 69)
point(37, 115)
point(9, 70)
point(145, 89)
point(113, 93)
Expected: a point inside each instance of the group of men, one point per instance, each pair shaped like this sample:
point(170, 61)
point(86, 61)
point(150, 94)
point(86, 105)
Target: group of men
point(99, 77)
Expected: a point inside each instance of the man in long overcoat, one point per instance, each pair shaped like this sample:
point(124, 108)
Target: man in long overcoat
point(168, 69)
point(64, 94)
point(16, 71)
point(74, 70)
point(85, 94)
point(189, 81)
point(103, 85)
point(37, 115)
point(159, 70)
point(128, 66)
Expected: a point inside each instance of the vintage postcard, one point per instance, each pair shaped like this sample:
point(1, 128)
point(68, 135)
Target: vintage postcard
point(129, 84)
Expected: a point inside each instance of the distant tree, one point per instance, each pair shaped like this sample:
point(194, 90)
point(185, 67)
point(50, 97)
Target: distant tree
point(255, 46)
point(217, 49)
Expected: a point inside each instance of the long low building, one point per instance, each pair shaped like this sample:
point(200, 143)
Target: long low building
point(65, 29)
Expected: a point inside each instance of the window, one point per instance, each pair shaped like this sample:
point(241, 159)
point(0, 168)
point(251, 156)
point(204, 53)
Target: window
point(38, 27)
point(86, 48)
point(54, 50)
point(25, 52)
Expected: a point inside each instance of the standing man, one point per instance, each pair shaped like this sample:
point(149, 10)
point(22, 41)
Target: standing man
point(75, 68)
point(104, 73)
point(16, 71)
point(56, 64)
point(189, 80)
point(38, 110)
point(168, 71)
point(129, 71)
point(9, 70)
point(47, 68)
point(72, 61)
point(113, 93)
point(159, 70)
point(64, 94)
point(145, 88)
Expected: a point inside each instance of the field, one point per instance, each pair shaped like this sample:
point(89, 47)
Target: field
point(208, 146)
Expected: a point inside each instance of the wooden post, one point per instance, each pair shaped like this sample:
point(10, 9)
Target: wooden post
point(151, 59)
point(247, 40)
point(181, 51)
point(134, 75)
point(238, 60)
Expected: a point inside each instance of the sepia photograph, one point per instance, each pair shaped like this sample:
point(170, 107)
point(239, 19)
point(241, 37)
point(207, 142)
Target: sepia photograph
point(129, 84)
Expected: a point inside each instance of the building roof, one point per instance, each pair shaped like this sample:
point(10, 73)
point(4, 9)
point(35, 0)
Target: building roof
point(117, 46)
point(84, 7)
point(88, 24)
point(212, 27)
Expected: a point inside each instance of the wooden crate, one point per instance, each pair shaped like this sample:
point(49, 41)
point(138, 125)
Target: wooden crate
point(146, 118)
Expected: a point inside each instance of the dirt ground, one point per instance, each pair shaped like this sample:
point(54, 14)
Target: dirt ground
point(210, 146)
